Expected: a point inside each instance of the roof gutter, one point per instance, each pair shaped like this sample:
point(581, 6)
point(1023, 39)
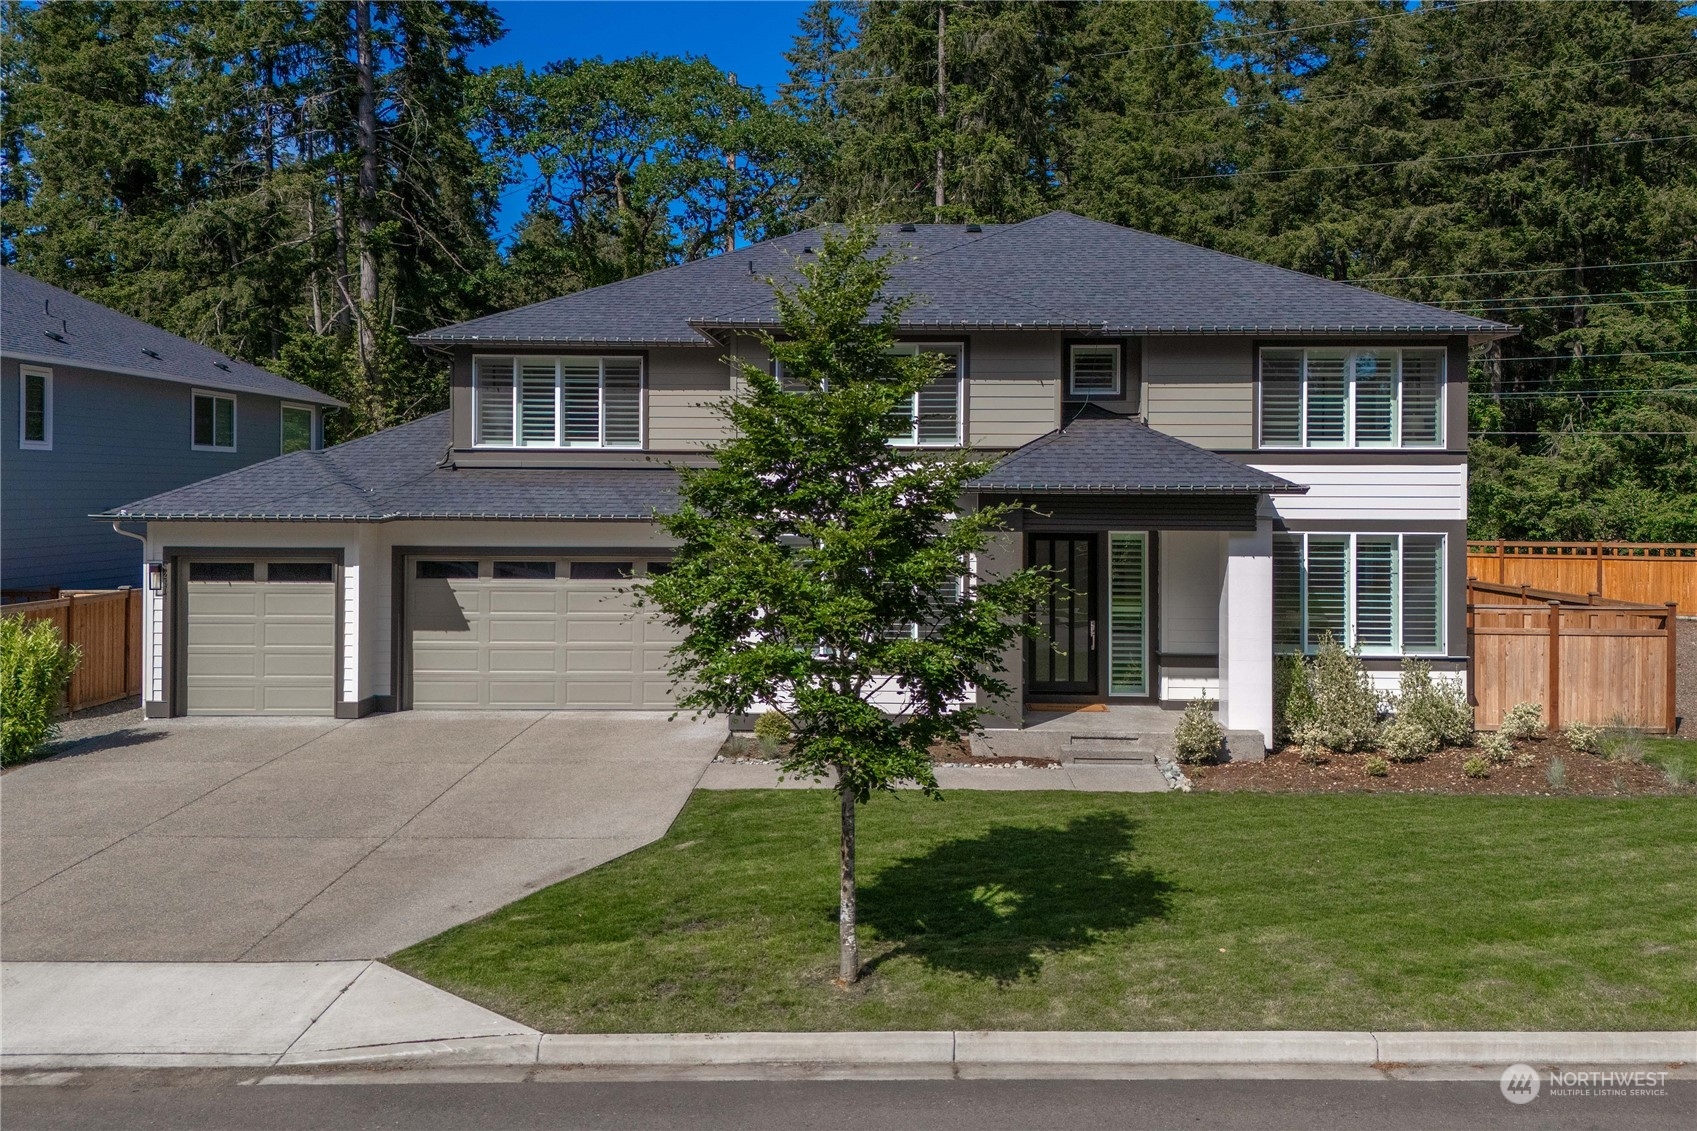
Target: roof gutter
point(221, 384)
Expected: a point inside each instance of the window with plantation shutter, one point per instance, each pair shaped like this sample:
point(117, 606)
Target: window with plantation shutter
point(1128, 632)
point(1381, 593)
point(1093, 371)
point(572, 402)
point(932, 418)
point(1364, 398)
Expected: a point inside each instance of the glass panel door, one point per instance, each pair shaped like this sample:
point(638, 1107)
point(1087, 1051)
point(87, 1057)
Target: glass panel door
point(1062, 658)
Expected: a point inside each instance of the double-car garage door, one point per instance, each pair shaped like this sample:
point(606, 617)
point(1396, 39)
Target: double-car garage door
point(533, 631)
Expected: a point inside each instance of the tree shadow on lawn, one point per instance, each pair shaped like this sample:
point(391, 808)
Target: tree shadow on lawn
point(996, 906)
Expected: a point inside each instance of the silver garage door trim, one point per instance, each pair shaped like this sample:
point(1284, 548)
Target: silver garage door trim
point(175, 649)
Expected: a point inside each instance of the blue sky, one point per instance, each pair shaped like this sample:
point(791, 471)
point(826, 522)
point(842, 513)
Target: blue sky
point(745, 37)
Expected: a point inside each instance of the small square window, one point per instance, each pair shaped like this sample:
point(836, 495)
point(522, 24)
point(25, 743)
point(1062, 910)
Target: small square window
point(600, 571)
point(300, 571)
point(215, 422)
point(452, 571)
point(524, 571)
point(1093, 371)
point(300, 428)
point(220, 571)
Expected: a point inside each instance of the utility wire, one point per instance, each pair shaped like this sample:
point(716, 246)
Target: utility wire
point(1436, 160)
point(1552, 298)
point(1677, 390)
point(1510, 307)
point(1519, 271)
point(1558, 435)
point(1279, 31)
point(1581, 356)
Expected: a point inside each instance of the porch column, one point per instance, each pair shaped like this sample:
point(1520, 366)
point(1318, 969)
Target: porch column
point(1246, 632)
point(1002, 556)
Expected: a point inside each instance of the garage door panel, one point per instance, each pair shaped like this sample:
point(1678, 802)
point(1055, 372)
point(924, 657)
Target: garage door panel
point(259, 647)
point(503, 660)
point(447, 693)
point(609, 693)
point(522, 694)
point(598, 600)
point(585, 630)
point(600, 661)
point(539, 628)
point(526, 600)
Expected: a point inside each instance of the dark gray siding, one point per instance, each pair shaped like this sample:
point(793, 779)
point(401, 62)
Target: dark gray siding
point(116, 439)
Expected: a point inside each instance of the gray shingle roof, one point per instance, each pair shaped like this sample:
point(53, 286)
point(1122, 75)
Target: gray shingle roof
point(1058, 271)
point(1098, 452)
point(398, 474)
point(40, 322)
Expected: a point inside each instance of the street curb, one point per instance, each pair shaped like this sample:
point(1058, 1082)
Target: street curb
point(966, 1052)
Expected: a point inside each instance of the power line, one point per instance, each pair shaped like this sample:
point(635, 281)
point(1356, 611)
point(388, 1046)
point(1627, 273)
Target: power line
point(1519, 271)
point(1677, 390)
point(1551, 298)
point(1275, 31)
point(1437, 160)
point(1581, 356)
point(1529, 308)
point(1323, 99)
point(1559, 435)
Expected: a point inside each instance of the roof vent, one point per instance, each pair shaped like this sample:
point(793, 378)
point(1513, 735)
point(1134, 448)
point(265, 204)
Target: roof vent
point(908, 228)
point(154, 354)
point(221, 365)
point(55, 335)
point(975, 227)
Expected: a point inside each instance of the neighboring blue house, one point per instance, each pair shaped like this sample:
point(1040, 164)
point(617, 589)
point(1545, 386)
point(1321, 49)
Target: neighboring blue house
point(96, 409)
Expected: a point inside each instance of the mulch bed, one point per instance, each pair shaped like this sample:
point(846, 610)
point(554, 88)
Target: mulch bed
point(1587, 774)
point(743, 748)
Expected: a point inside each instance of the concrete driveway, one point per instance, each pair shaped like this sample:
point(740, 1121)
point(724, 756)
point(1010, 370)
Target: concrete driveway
point(285, 839)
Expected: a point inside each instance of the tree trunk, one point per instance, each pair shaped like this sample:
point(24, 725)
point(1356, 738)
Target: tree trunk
point(365, 63)
point(942, 96)
point(848, 961)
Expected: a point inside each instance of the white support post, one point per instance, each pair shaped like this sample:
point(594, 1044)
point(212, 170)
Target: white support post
point(1246, 632)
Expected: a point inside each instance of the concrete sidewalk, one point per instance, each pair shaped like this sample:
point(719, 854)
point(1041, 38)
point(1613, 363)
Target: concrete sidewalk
point(1081, 779)
point(328, 1015)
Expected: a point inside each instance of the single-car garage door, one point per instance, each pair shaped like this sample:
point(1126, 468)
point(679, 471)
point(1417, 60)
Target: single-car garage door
point(260, 638)
point(534, 632)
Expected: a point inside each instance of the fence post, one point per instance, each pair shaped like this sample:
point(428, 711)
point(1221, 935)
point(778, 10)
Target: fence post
point(128, 592)
point(72, 689)
point(1597, 548)
point(1555, 666)
point(1671, 716)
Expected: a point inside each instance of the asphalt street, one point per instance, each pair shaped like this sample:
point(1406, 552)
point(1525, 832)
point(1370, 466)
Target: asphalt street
point(171, 1101)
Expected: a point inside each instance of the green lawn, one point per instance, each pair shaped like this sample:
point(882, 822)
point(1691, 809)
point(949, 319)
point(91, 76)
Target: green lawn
point(1105, 911)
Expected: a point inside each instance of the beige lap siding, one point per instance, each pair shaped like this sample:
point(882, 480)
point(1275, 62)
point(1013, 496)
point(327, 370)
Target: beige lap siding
point(1201, 390)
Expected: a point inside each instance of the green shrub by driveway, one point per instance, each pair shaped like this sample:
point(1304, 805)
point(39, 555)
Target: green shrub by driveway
point(35, 667)
point(1114, 911)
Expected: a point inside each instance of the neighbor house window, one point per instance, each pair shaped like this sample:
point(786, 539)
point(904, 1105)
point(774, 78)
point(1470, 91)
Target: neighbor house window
point(1352, 398)
point(932, 417)
point(558, 402)
point(214, 422)
point(1382, 593)
point(300, 428)
point(1093, 371)
point(35, 408)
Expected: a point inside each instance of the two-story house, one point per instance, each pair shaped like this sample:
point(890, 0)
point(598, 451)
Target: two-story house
point(1222, 458)
point(97, 408)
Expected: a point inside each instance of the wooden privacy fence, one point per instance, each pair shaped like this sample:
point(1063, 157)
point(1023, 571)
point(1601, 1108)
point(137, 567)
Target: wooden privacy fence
point(1651, 573)
point(1584, 659)
point(106, 625)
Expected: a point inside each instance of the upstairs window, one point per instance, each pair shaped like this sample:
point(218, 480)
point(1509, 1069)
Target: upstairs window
point(1352, 398)
point(300, 428)
point(1093, 371)
point(214, 422)
point(932, 417)
point(35, 408)
point(1382, 593)
point(558, 402)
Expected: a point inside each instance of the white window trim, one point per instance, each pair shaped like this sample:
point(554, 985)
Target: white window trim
point(45, 444)
point(1349, 440)
point(1350, 612)
point(1117, 392)
point(316, 440)
point(914, 349)
point(235, 421)
point(518, 360)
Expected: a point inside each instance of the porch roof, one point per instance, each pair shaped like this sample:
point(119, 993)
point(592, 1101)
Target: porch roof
point(1100, 452)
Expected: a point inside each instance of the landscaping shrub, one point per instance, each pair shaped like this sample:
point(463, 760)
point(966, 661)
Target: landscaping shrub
point(1620, 743)
point(771, 730)
point(1406, 740)
point(35, 667)
point(1346, 707)
point(1556, 774)
point(1523, 720)
point(1376, 768)
point(1584, 738)
point(1679, 774)
point(1293, 697)
point(1496, 749)
point(1440, 707)
point(1198, 737)
point(1476, 767)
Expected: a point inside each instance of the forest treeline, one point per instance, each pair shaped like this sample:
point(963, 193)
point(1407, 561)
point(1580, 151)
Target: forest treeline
point(302, 185)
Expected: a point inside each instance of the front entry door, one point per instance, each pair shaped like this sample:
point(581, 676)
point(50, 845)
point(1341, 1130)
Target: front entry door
point(1061, 659)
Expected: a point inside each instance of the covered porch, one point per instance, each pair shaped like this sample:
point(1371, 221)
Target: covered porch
point(1164, 555)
